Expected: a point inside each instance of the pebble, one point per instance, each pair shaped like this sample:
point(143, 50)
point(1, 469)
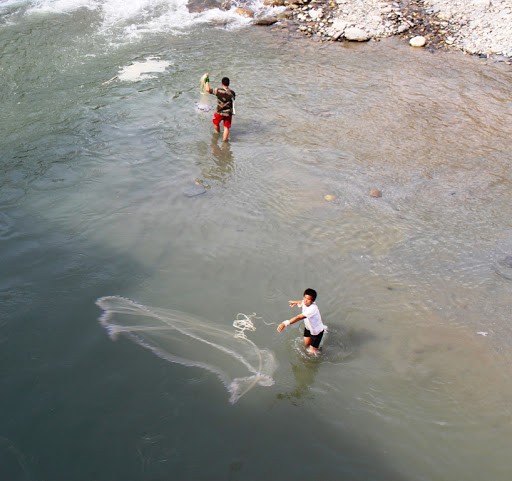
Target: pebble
point(418, 41)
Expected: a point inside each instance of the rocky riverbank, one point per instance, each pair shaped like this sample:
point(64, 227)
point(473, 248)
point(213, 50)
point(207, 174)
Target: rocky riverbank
point(479, 27)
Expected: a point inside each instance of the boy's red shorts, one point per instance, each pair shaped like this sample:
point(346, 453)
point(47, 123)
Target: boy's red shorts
point(217, 119)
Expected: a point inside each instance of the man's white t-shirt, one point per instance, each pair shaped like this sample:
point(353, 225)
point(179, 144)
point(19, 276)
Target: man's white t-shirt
point(313, 321)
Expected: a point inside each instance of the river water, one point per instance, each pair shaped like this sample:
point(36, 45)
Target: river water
point(102, 146)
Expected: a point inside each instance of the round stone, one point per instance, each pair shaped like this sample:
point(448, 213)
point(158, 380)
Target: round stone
point(418, 41)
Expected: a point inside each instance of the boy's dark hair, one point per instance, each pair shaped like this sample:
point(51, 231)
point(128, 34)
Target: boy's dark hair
point(310, 292)
point(225, 81)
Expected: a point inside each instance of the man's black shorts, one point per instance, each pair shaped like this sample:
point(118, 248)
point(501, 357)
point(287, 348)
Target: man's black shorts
point(315, 340)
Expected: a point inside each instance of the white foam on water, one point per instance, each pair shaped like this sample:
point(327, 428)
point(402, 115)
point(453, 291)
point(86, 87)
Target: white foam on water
point(135, 18)
point(61, 6)
point(131, 19)
point(5, 4)
point(142, 70)
point(203, 107)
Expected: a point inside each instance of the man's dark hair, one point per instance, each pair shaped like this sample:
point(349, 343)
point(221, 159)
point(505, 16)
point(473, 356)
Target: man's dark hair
point(225, 81)
point(310, 292)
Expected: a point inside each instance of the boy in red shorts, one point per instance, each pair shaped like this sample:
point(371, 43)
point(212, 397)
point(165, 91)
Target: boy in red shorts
point(225, 106)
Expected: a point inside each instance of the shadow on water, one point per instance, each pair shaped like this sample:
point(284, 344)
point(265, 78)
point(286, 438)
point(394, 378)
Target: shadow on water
point(55, 358)
point(339, 345)
point(304, 374)
point(298, 431)
point(81, 407)
point(13, 464)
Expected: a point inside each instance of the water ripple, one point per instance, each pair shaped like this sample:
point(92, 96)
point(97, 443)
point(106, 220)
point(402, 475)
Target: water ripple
point(6, 227)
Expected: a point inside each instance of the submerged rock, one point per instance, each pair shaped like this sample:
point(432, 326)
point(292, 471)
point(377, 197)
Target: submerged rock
point(375, 193)
point(198, 188)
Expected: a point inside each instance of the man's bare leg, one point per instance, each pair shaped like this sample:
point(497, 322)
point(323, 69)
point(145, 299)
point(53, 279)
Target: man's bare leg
point(225, 136)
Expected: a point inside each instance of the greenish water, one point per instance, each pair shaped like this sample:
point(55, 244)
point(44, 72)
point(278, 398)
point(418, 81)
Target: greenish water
point(93, 177)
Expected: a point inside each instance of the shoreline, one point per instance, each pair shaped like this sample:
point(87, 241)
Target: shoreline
point(485, 30)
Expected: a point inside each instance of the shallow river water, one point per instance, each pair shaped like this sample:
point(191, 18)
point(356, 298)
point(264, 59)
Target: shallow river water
point(102, 146)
